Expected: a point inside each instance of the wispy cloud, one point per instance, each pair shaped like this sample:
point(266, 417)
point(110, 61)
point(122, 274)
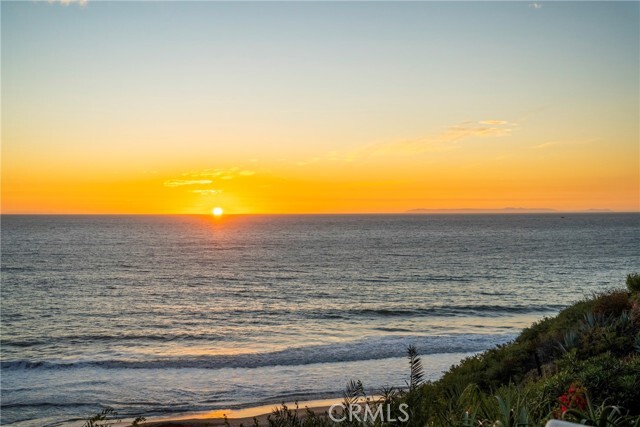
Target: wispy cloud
point(207, 192)
point(445, 140)
point(182, 182)
point(220, 173)
point(493, 122)
point(535, 5)
point(203, 178)
point(550, 144)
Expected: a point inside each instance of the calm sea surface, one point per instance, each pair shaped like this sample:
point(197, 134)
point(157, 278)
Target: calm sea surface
point(167, 314)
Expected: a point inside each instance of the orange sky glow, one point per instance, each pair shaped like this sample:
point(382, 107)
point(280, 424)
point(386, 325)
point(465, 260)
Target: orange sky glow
point(293, 120)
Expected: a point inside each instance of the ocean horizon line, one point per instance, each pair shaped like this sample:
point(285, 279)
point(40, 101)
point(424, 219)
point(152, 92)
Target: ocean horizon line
point(461, 212)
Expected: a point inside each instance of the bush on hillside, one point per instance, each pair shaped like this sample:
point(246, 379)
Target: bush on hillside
point(612, 303)
point(633, 282)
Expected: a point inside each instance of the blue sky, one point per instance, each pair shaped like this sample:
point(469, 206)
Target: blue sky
point(176, 81)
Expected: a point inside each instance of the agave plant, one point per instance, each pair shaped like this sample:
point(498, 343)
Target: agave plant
point(577, 407)
point(512, 413)
point(593, 320)
point(624, 319)
point(603, 416)
point(571, 339)
point(508, 407)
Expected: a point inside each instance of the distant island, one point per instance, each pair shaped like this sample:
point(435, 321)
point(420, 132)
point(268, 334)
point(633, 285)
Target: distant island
point(499, 210)
point(472, 210)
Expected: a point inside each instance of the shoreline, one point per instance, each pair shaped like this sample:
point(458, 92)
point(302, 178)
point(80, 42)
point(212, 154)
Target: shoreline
point(237, 417)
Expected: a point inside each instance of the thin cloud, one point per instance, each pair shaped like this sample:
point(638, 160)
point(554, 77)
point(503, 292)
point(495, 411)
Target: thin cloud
point(208, 173)
point(220, 173)
point(545, 145)
point(493, 122)
point(443, 141)
point(535, 5)
point(182, 182)
point(207, 192)
point(562, 143)
point(205, 177)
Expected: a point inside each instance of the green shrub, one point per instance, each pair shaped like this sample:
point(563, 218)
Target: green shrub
point(612, 380)
point(612, 303)
point(633, 282)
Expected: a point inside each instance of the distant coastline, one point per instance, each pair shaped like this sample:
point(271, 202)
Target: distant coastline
point(503, 210)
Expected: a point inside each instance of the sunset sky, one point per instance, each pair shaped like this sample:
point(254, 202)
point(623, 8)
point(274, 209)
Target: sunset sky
point(178, 107)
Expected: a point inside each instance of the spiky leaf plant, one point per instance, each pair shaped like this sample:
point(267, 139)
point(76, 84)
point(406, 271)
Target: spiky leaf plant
point(415, 364)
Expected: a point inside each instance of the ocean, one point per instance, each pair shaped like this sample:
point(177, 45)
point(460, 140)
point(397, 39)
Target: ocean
point(159, 315)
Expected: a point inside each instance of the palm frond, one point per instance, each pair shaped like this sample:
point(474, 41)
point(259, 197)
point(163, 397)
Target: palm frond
point(353, 392)
point(101, 419)
point(417, 372)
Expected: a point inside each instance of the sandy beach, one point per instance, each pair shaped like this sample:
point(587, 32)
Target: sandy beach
point(237, 417)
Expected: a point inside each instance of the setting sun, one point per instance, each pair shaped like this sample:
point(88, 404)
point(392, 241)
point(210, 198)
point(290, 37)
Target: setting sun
point(217, 211)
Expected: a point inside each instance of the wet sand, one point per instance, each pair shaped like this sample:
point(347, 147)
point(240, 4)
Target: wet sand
point(236, 417)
